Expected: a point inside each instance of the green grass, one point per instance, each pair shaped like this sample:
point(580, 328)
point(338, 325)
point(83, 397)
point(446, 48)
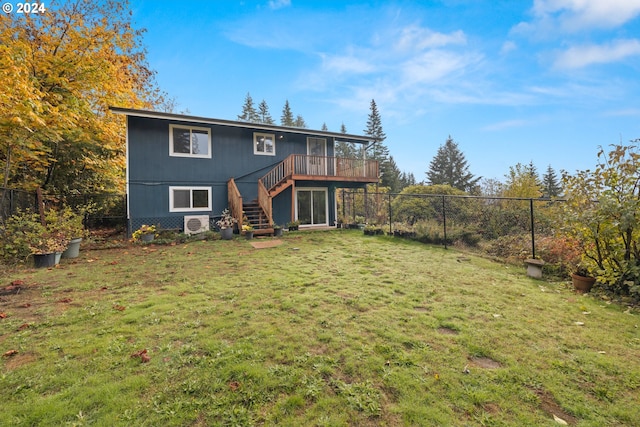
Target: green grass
point(329, 329)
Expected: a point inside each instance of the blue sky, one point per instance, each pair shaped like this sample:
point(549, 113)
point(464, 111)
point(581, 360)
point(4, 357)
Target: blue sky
point(547, 81)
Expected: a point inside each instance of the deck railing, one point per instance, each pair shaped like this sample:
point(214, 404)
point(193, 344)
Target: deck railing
point(338, 167)
point(235, 201)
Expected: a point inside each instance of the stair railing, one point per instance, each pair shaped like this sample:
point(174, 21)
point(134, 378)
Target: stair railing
point(265, 201)
point(235, 202)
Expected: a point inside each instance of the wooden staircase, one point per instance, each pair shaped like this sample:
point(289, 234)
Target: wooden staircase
point(257, 218)
point(280, 187)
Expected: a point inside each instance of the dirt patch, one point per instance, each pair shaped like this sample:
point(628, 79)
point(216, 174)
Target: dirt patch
point(485, 362)
point(262, 244)
point(18, 360)
point(447, 331)
point(549, 405)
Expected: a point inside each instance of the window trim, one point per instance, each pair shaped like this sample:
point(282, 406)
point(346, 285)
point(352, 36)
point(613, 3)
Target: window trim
point(191, 209)
point(255, 145)
point(190, 154)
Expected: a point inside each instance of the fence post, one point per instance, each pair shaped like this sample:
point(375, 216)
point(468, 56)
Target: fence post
point(390, 227)
point(444, 221)
point(533, 233)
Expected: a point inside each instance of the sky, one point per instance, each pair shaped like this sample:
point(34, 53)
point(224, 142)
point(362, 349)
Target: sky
point(511, 81)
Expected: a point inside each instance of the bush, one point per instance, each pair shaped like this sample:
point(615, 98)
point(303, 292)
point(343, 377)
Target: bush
point(601, 213)
point(17, 235)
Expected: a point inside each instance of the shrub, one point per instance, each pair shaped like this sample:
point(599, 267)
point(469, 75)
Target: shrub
point(601, 213)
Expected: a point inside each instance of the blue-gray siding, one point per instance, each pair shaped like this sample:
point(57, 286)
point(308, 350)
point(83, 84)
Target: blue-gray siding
point(151, 170)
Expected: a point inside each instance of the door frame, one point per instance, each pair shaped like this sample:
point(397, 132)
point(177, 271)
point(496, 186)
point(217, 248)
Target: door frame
point(326, 206)
point(322, 167)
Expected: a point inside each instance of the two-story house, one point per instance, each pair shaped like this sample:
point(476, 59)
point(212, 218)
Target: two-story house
point(182, 171)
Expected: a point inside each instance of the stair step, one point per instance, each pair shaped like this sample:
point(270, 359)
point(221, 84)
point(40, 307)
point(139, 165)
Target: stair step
point(256, 217)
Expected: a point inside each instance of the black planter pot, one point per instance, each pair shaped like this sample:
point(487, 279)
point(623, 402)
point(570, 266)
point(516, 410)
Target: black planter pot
point(44, 260)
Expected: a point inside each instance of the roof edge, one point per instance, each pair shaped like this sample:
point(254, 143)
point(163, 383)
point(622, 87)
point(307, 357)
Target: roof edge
point(248, 125)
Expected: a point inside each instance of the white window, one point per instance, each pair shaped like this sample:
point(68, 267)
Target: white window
point(185, 141)
point(189, 199)
point(264, 144)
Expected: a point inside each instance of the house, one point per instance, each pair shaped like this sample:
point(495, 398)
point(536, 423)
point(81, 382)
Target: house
point(183, 171)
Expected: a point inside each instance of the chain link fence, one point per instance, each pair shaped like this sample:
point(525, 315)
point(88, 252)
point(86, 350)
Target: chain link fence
point(516, 228)
point(100, 210)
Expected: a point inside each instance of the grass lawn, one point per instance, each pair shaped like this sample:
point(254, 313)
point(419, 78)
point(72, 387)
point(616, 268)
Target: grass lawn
point(329, 328)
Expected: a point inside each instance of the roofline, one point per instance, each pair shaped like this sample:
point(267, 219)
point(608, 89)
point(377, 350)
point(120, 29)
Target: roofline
point(248, 125)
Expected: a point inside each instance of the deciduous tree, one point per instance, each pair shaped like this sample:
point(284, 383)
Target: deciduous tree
point(61, 70)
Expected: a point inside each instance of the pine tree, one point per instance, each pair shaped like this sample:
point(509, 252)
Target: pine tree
point(287, 116)
point(299, 122)
point(263, 113)
point(550, 184)
point(345, 149)
point(392, 174)
point(533, 171)
point(450, 167)
point(324, 127)
point(379, 152)
point(407, 179)
point(249, 113)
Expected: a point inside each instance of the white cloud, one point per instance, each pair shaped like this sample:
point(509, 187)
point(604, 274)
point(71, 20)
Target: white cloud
point(345, 64)
point(576, 15)
point(630, 112)
point(279, 4)
point(414, 37)
point(434, 65)
point(507, 124)
point(507, 47)
point(582, 56)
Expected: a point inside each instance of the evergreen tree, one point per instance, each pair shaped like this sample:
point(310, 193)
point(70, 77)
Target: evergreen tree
point(407, 179)
point(287, 116)
point(324, 127)
point(391, 175)
point(299, 122)
point(379, 151)
point(345, 149)
point(450, 167)
point(550, 184)
point(533, 171)
point(263, 113)
point(249, 113)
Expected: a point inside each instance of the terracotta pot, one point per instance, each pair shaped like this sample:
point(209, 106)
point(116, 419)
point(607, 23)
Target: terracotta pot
point(582, 284)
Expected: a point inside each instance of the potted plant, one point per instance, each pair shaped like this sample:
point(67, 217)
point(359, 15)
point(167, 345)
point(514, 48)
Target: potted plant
point(44, 247)
point(293, 225)
point(68, 225)
point(582, 279)
point(372, 230)
point(248, 231)
point(146, 233)
point(225, 224)
point(277, 230)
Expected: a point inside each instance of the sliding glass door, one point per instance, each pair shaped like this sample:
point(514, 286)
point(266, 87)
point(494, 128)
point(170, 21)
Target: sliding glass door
point(312, 206)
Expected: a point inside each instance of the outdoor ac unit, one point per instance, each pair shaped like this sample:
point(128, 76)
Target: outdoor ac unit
point(194, 224)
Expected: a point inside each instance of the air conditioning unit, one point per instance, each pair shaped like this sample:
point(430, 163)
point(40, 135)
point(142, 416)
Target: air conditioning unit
point(194, 224)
